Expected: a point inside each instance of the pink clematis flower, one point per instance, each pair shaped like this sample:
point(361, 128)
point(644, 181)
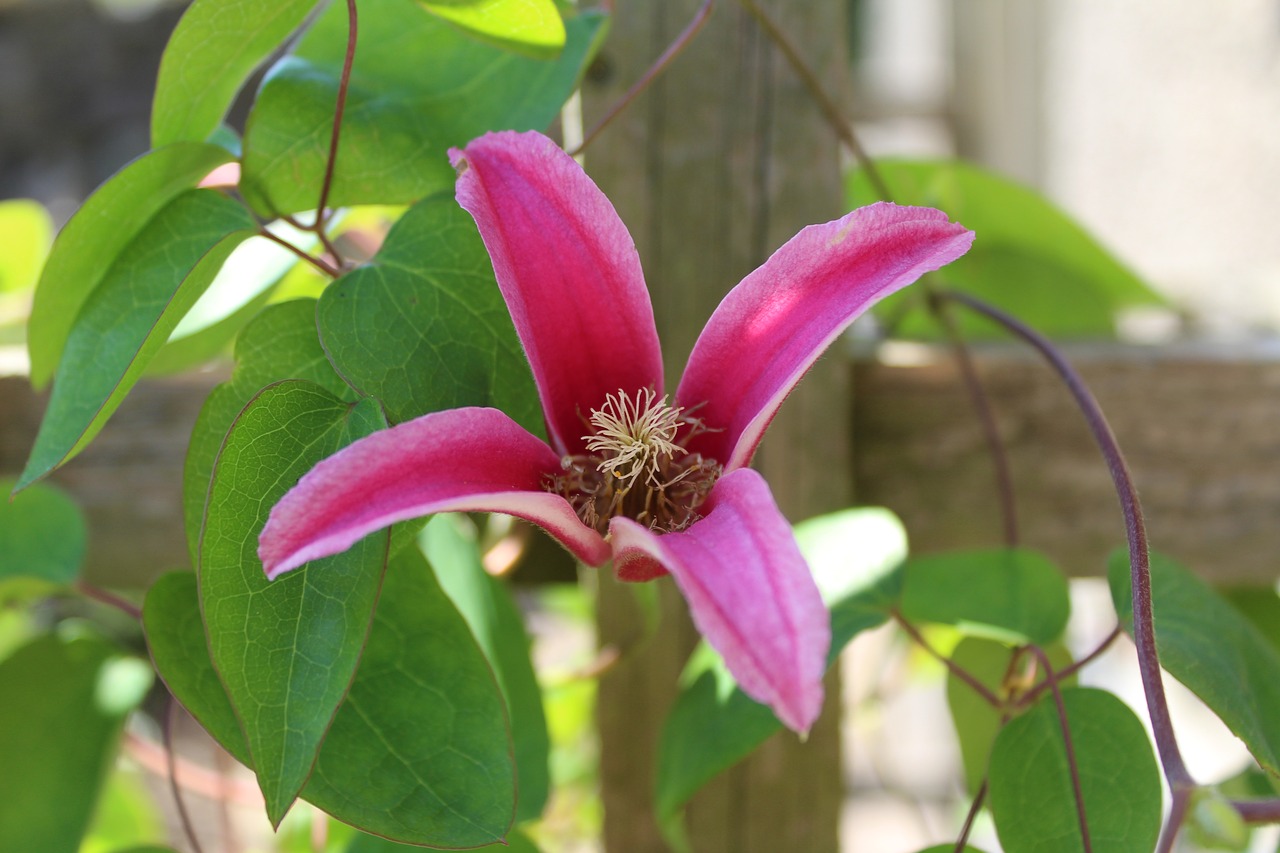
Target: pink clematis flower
point(654, 485)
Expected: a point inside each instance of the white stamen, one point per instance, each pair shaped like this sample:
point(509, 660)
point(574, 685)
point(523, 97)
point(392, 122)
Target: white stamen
point(633, 436)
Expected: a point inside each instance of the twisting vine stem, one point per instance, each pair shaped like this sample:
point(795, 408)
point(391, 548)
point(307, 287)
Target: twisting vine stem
point(952, 667)
point(659, 65)
point(842, 127)
point(344, 83)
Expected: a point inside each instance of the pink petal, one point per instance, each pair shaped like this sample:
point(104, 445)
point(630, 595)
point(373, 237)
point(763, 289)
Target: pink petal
point(569, 272)
point(772, 327)
point(459, 460)
point(750, 592)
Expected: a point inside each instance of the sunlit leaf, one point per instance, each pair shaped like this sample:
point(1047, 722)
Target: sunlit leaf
point(1030, 258)
point(146, 290)
point(1031, 793)
point(56, 739)
point(212, 52)
point(42, 534)
point(413, 94)
point(1014, 595)
point(855, 556)
point(286, 649)
point(87, 247)
point(25, 234)
point(532, 27)
point(1211, 648)
point(424, 328)
point(280, 343)
point(495, 621)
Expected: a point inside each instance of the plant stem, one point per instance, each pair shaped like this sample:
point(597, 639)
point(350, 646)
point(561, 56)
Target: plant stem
point(952, 667)
point(842, 127)
point(986, 415)
point(109, 598)
point(166, 731)
point(969, 818)
point(1180, 800)
point(344, 83)
point(660, 64)
point(1068, 671)
point(318, 263)
point(1139, 559)
point(1258, 811)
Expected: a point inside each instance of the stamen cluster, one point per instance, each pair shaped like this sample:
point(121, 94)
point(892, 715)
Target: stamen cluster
point(636, 466)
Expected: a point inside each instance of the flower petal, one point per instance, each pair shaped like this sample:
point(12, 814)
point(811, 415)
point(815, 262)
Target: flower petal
point(459, 460)
point(569, 273)
point(749, 591)
point(772, 327)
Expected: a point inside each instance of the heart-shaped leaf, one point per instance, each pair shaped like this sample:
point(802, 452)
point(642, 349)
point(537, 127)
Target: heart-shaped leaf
point(285, 650)
point(424, 328)
point(446, 779)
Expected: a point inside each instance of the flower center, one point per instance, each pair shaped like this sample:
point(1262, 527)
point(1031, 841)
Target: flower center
point(636, 465)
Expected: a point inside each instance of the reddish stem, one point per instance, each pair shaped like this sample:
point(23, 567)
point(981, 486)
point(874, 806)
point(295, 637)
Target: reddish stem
point(952, 667)
point(318, 263)
point(842, 127)
point(673, 50)
point(978, 798)
point(344, 83)
point(166, 731)
point(1258, 811)
point(1068, 671)
point(109, 598)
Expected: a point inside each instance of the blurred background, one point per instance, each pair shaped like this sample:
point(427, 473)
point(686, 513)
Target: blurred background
point(1155, 123)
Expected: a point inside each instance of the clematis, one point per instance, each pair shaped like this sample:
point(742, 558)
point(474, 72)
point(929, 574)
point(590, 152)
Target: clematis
point(655, 484)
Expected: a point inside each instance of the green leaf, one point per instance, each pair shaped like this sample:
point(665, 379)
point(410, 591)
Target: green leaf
point(105, 225)
point(26, 230)
point(1030, 258)
point(42, 535)
point(977, 723)
point(531, 27)
point(1031, 796)
point(152, 283)
point(516, 842)
point(239, 291)
point(57, 741)
point(1015, 595)
point(447, 779)
point(280, 343)
point(1260, 605)
point(424, 328)
point(491, 613)
point(414, 93)
point(855, 556)
point(286, 650)
point(1211, 648)
point(212, 52)
point(949, 848)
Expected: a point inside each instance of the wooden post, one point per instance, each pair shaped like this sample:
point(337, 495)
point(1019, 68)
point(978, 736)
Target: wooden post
point(718, 164)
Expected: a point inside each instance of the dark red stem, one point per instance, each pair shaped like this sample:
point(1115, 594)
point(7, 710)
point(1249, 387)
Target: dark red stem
point(109, 598)
point(673, 50)
point(166, 732)
point(344, 83)
point(952, 667)
point(318, 263)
